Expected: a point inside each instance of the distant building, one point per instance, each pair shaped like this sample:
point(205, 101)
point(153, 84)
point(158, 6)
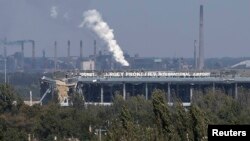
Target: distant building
point(88, 65)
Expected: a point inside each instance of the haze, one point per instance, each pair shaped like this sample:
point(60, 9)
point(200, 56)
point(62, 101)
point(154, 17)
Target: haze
point(165, 28)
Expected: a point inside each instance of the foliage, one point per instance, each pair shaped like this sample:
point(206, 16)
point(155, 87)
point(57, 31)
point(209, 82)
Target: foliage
point(6, 98)
point(162, 116)
point(182, 121)
point(133, 119)
point(219, 108)
point(78, 102)
point(199, 123)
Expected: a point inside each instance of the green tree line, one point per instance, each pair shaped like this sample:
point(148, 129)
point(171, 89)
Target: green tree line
point(134, 119)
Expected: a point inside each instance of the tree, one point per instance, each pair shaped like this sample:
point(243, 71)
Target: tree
point(48, 124)
point(3, 128)
point(127, 123)
point(8, 132)
point(78, 102)
point(124, 127)
point(162, 116)
point(219, 107)
point(7, 97)
point(141, 109)
point(14, 134)
point(182, 123)
point(199, 123)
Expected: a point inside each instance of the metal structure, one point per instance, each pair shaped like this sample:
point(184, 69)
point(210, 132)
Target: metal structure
point(21, 42)
point(33, 54)
point(68, 50)
point(22, 51)
point(81, 49)
point(95, 49)
point(201, 40)
point(195, 55)
point(5, 65)
point(55, 55)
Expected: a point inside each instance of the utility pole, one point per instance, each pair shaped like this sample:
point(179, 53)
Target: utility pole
point(100, 134)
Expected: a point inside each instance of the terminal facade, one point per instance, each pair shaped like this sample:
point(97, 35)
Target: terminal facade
point(101, 87)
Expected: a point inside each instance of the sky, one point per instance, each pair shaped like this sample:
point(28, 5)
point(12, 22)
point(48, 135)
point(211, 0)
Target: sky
point(162, 28)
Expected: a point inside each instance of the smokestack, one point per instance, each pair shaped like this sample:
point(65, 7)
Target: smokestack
point(201, 40)
point(5, 51)
point(22, 48)
point(33, 54)
point(22, 52)
point(195, 55)
point(5, 64)
point(44, 61)
point(94, 48)
point(69, 50)
point(55, 55)
point(43, 53)
point(81, 49)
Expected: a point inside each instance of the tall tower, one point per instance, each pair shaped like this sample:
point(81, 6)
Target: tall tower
point(55, 55)
point(94, 48)
point(201, 40)
point(195, 55)
point(44, 59)
point(81, 50)
point(95, 62)
point(68, 50)
point(5, 64)
point(22, 52)
point(33, 54)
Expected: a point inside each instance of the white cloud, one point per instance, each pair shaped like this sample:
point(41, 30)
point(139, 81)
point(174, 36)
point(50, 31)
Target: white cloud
point(54, 12)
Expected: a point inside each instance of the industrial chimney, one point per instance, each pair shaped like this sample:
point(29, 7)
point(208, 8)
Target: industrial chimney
point(68, 50)
point(81, 50)
point(201, 40)
point(44, 59)
point(195, 55)
point(33, 54)
point(22, 52)
point(5, 64)
point(55, 55)
point(22, 48)
point(44, 54)
point(94, 48)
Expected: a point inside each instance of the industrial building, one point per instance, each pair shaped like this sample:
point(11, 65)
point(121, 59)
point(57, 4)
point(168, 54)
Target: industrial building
point(101, 61)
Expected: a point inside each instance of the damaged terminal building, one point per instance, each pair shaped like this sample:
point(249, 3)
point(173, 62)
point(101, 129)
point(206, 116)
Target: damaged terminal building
point(101, 87)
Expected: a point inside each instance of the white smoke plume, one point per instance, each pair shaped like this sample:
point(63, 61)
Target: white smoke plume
point(94, 21)
point(54, 12)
